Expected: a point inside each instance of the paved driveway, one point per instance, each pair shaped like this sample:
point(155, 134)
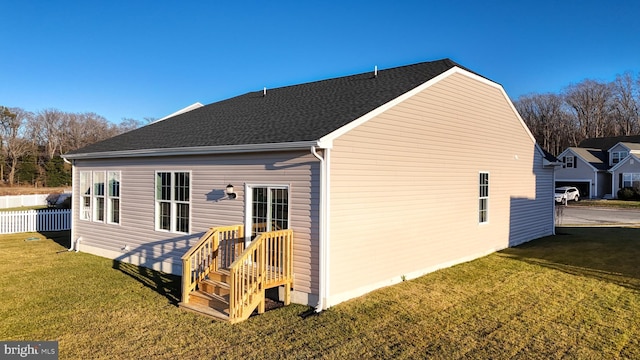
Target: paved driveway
point(580, 215)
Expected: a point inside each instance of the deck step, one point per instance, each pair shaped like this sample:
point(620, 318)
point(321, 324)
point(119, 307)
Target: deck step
point(214, 287)
point(215, 301)
point(206, 311)
point(221, 275)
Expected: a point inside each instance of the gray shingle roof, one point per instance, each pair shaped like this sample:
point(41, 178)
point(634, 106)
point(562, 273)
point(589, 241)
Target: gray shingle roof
point(632, 146)
point(304, 112)
point(606, 143)
point(596, 157)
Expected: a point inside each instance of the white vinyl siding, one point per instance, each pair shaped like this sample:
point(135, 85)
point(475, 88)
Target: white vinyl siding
point(432, 146)
point(210, 207)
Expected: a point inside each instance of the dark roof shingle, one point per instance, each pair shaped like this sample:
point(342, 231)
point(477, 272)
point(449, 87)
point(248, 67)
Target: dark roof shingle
point(304, 112)
point(606, 143)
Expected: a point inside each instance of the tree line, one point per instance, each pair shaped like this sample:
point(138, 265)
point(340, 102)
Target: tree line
point(31, 142)
point(584, 110)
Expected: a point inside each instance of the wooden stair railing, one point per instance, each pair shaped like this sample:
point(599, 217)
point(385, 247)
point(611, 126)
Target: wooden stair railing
point(204, 257)
point(267, 262)
point(230, 280)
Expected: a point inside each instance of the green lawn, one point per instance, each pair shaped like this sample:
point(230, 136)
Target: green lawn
point(575, 295)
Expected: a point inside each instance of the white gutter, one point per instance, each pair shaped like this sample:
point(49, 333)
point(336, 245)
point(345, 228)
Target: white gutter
point(196, 150)
point(323, 268)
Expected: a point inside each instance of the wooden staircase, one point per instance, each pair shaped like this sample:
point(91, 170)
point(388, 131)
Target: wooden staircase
point(211, 298)
point(226, 282)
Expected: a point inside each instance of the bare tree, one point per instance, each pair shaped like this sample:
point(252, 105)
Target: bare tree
point(50, 129)
point(548, 119)
point(128, 124)
point(85, 129)
point(625, 105)
point(15, 144)
point(592, 102)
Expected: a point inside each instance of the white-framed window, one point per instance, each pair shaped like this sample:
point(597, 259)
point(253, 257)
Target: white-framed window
point(268, 208)
point(100, 196)
point(113, 197)
point(483, 203)
point(173, 201)
point(85, 195)
point(569, 162)
point(631, 180)
point(618, 156)
point(99, 182)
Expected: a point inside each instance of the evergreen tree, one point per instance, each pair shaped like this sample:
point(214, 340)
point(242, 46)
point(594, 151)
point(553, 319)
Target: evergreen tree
point(27, 170)
point(57, 174)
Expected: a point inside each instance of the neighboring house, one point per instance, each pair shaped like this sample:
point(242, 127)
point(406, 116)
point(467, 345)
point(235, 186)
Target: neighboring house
point(586, 169)
point(382, 176)
point(599, 167)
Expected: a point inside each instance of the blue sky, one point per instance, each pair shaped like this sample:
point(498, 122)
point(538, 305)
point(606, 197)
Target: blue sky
point(137, 59)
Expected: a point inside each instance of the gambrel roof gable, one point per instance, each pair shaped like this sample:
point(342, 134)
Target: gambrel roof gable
point(289, 114)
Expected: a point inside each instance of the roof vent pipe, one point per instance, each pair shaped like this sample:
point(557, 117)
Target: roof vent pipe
point(264, 91)
point(375, 71)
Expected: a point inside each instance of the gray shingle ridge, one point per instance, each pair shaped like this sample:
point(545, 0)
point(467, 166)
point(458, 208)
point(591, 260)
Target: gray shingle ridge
point(294, 113)
point(606, 143)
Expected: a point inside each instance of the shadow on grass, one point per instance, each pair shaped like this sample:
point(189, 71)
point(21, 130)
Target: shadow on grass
point(607, 254)
point(167, 285)
point(62, 238)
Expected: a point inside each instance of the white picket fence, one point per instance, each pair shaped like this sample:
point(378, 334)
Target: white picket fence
point(12, 222)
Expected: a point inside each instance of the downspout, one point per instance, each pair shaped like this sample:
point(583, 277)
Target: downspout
point(595, 188)
point(323, 267)
point(74, 245)
point(553, 201)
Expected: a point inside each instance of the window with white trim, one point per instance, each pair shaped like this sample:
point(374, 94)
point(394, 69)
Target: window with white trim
point(618, 156)
point(631, 180)
point(569, 161)
point(98, 195)
point(173, 201)
point(269, 208)
point(483, 203)
point(85, 195)
point(113, 195)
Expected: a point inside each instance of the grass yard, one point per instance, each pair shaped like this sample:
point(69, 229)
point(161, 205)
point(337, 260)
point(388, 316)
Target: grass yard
point(575, 295)
point(621, 204)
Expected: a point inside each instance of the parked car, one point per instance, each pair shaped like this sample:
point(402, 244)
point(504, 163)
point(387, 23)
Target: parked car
point(565, 194)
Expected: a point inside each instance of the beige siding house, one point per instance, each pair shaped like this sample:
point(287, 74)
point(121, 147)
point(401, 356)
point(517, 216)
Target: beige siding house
point(381, 176)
